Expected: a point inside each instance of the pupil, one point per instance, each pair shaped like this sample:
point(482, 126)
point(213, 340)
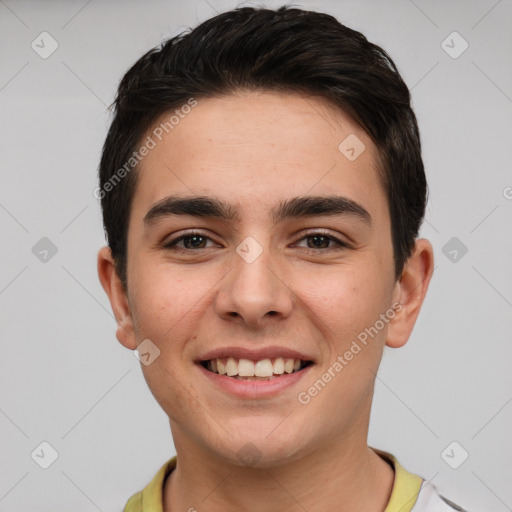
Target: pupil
point(320, 238)
point(196, 241)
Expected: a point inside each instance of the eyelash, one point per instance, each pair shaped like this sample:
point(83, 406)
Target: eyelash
point(171, 245)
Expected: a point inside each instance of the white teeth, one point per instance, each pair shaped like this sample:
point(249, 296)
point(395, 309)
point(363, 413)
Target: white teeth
point(279, 366)
point(288, 366)
point(263, 368)
point(246, 368)
point(231, 367)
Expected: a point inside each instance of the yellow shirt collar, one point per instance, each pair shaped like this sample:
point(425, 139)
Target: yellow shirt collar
point(406, 486)
point(403, 495)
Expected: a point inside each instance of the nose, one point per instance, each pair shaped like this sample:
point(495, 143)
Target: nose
point(254, 292)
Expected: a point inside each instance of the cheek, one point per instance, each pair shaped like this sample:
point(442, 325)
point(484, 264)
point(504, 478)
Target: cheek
point(167, 313)
point(346, 300)
point(163, 299)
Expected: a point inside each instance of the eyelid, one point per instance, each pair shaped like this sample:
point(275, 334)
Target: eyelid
point(341, 242)
point(338, 241)
point(183, 234)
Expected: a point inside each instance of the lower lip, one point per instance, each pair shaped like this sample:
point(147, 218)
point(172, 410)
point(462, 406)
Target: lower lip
point(255, 388)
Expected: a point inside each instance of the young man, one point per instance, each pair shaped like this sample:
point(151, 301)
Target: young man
point(262, 190)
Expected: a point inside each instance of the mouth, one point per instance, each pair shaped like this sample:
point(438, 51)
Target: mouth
point(255, 370)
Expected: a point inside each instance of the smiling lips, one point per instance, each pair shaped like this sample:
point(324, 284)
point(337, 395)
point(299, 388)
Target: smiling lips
point(247, 369)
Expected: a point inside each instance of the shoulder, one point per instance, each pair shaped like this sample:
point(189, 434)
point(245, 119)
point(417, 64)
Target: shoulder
point(150, 498)
point(134, 504)
point(412, 493)
point(430, 500)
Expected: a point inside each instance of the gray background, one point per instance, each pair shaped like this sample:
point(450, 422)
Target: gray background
point(66, 380)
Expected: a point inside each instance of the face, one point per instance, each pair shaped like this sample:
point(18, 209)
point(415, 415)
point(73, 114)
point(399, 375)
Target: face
point(260, 275)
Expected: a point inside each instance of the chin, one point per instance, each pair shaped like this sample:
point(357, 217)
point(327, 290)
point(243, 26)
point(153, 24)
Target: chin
point(261, 444)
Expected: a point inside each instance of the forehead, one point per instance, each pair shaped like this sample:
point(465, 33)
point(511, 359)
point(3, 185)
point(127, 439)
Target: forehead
point(256, 147)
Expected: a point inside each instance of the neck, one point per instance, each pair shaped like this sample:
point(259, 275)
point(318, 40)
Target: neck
point(344, 476)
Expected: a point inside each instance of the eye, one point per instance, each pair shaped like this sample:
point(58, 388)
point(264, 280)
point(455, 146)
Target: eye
point(191, 241)
point(321, 240)
point(316, 241)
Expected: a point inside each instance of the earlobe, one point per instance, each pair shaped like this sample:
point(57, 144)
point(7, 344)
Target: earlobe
point(125, 333)
point(113, 287)
point(411, 290)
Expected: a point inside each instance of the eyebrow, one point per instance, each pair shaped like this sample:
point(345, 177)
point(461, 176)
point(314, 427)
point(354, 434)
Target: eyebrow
point(296, 207)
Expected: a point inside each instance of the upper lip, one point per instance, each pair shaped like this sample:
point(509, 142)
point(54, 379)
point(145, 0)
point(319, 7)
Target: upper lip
point(270, 352)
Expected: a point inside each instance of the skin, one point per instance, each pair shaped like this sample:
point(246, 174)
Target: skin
point(254, 149)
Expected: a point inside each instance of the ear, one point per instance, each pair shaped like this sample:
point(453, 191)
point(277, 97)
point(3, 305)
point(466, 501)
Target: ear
point(118, 299)
point(410, 292)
